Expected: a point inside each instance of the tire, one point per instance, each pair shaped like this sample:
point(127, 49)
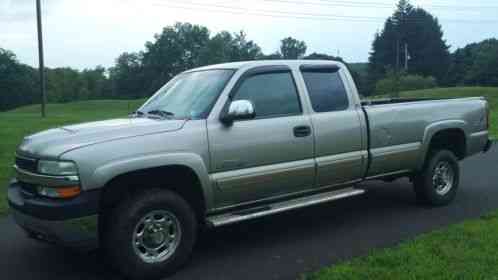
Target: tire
point(434, 186)
point(163, 219)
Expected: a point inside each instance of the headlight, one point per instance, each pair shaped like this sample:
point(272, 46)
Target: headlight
point(57, 167)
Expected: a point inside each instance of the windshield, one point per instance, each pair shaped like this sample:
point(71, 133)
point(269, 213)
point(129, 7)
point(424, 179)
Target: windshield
point(189, 95)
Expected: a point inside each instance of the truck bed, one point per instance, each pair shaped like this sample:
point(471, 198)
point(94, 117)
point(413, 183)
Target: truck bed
point(398, 128)
point(382, 101)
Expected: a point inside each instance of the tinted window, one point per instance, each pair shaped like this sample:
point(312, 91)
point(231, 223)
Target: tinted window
point(326, 90)
point(273, 94)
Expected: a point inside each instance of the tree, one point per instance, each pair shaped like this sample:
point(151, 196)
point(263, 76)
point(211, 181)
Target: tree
point(244, 49)
point(96, 82)
point(429, 53)
point(421, 33)
point(272, 56)
point(475, 64)
point(127, 76)
point(323, 56)
point(291, 48)
point(484, 70)
point(175, 49)
point(18, 83)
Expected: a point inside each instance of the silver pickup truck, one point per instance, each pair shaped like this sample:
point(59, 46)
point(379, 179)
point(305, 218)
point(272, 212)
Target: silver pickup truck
point(230, 142)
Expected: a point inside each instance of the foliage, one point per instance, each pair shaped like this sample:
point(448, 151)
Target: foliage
point(184, 45)
point(176, 49)
point(126, 76)
point(421, 33)
point(475, 64)
point(393, 84)
point(272, 56)
point(291, 48)
point(17, 86)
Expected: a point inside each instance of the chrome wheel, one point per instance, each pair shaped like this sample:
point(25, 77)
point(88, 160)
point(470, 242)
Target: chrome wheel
point(156, 236)
point(443, 178)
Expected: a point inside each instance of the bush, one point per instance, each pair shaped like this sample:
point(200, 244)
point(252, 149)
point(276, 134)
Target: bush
point(393, 84)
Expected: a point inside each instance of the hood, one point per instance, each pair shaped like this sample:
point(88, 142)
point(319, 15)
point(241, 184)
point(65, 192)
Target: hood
point(53, 142)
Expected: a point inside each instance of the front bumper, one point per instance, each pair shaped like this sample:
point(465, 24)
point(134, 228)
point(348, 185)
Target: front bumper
point(70, 223)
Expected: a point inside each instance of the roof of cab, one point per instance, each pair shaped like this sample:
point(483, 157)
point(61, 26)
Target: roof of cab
point(255, 63)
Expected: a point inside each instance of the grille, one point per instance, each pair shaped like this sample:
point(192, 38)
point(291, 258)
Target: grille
point(27, 164)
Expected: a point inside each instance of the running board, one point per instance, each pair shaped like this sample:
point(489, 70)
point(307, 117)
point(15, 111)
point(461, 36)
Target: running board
point(252, 213)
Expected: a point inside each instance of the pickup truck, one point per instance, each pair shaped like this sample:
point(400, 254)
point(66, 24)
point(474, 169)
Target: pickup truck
point(230, 142)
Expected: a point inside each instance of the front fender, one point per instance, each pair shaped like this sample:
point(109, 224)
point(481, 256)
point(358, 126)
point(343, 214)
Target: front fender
point(103, 174)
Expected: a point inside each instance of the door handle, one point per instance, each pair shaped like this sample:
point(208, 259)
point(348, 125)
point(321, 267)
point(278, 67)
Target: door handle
point(302, 131)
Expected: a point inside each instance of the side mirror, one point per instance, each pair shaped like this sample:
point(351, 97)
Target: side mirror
point(239, 110)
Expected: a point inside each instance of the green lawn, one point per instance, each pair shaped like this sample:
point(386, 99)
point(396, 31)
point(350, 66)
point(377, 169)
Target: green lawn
point(16, 124)
point(463, 251)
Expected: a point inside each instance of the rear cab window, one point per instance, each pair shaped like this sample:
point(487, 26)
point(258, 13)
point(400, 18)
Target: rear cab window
point(325, 88)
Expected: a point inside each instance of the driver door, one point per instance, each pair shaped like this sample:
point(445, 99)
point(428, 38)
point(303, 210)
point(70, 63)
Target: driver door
point(269, 155)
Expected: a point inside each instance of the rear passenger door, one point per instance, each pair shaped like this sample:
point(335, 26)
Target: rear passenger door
point(263, 157)
point(337, 125)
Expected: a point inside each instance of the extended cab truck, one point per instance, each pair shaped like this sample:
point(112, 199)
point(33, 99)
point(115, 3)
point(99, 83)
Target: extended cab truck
point(230, 142)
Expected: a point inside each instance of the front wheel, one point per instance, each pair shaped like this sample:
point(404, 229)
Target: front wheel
point(150, 235)
point(437, 184)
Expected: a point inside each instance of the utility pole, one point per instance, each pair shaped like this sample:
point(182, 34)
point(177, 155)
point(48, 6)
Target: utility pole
point(40, 57)
point(407, 56)
point(397, 54)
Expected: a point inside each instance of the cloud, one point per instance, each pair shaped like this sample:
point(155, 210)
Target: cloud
point(23, 10)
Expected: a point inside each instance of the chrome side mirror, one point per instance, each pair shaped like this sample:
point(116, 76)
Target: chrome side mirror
point(239, 110)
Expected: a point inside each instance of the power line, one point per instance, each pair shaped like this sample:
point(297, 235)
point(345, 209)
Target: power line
point(386, 5)
point(285, 14)
point(378, 5)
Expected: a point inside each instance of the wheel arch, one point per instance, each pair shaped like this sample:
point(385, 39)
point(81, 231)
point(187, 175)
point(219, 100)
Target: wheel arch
point(185, 174)
point(450, 135)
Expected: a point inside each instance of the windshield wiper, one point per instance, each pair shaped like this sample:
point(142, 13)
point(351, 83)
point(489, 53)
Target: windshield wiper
point(162, 113)
point(137, 113)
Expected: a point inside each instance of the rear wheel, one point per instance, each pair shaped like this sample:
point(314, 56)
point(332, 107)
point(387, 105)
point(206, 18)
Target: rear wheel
point(150, 234)
point(437, 184)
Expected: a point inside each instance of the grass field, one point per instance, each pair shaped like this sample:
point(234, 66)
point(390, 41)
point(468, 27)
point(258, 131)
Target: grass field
point(462, 251)
point(16, 124)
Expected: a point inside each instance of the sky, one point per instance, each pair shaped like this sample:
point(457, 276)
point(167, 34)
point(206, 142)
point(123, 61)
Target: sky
point(86, 33)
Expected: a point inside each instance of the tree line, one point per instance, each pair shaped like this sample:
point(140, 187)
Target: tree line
point(408, 53)
point(139, 74)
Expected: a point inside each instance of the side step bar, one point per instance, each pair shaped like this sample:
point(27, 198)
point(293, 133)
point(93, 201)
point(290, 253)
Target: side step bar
point(247, 214)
